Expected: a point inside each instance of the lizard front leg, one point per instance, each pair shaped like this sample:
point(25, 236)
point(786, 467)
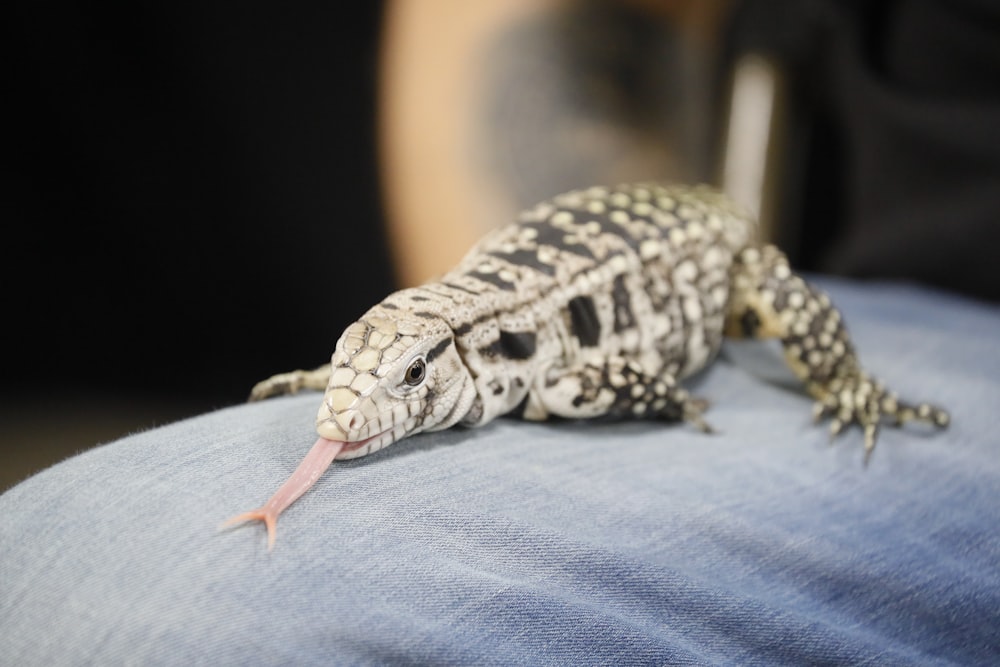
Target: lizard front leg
point(291, 383)
point(769, 300)
point(613, 387)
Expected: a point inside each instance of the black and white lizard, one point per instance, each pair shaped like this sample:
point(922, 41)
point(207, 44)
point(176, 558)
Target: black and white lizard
point(596, 303)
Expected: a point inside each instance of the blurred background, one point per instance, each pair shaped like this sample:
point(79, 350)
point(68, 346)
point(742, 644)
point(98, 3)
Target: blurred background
point(204, 194)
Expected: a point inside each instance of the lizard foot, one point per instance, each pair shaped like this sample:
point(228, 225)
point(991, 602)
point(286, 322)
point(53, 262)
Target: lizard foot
point(291, 383)
point(277, 385)
point(864, 401)
point(692, 409)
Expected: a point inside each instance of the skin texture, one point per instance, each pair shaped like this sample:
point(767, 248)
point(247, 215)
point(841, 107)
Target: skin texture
point(596, 303)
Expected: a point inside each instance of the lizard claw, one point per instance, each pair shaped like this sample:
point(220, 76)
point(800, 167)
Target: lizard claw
point(692, 411)
point(836, 426)
point(861, 400)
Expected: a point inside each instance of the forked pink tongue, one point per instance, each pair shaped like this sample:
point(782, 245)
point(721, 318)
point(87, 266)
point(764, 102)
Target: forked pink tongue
point(311, 469)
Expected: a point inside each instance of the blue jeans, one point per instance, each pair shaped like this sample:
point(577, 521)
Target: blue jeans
point(556, 543)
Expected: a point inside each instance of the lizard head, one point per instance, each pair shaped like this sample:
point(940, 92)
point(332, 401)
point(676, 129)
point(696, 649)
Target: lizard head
point(394, 373)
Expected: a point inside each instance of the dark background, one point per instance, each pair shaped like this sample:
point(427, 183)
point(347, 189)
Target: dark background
point(893, 135)
point(195, 195)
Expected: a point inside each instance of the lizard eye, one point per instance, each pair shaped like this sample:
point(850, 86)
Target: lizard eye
point(415, 373)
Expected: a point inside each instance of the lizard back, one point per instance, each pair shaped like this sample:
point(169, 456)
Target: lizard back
point(639, 271)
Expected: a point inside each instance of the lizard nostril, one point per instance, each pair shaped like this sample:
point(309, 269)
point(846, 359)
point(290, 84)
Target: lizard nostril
point(356, 421)
point(350, 420)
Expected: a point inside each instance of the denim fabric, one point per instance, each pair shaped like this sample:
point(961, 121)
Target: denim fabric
point(557, 543)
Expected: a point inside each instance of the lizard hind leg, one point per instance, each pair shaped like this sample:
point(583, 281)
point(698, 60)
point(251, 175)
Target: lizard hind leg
point(769, 300)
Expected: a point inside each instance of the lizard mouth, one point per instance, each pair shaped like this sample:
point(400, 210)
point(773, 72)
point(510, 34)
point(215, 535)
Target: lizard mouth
point(365, 446)
point(330, 429)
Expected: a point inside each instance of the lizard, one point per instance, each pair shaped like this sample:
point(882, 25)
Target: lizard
point(596, 303)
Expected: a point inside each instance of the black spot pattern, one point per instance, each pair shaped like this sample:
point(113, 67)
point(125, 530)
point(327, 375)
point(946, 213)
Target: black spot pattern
point(619, 231)
point(528, 258)
point(493, 279)
point(436, 351)
point(624, 318)
point(548, 234)
point(455, 286)
point(584, 322)
point(516, 345)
